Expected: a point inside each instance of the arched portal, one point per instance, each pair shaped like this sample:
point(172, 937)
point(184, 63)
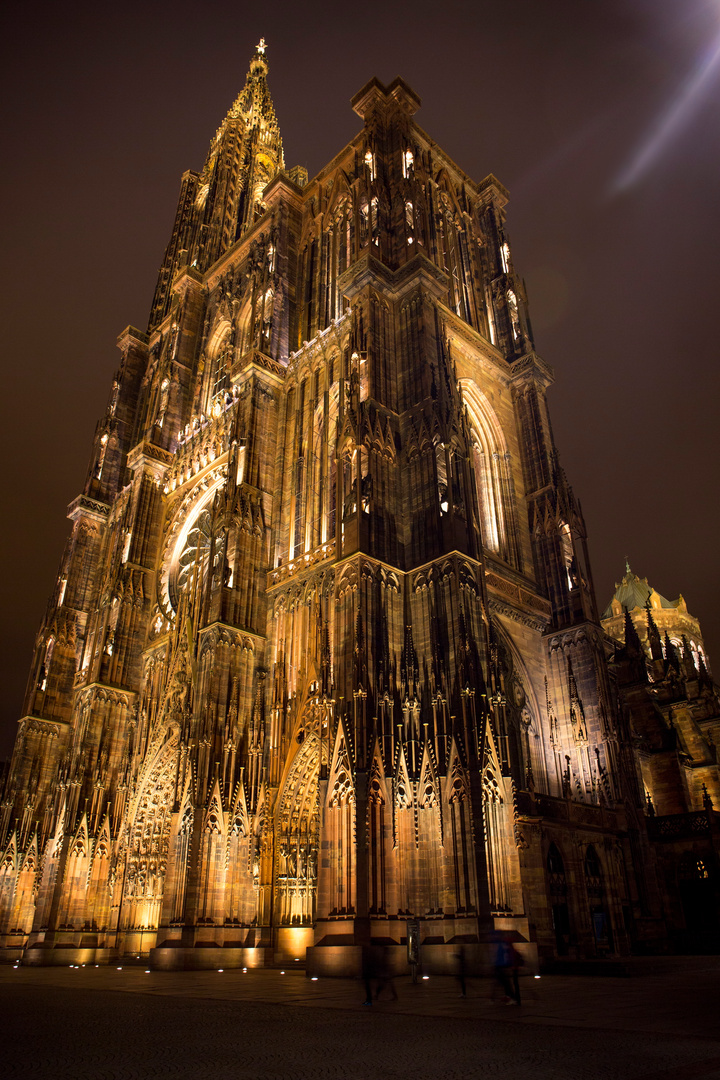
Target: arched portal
point(147, 852)
point(297, 830)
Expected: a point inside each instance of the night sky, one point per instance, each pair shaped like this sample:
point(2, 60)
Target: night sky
point(603, 120)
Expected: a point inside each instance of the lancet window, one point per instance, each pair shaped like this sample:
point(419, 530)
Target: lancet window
point(217, 369)
point(557, 883)
point(374, 221)
point(364, 222)
point(593, 873)
point(101, 455)
point(410, 221)
point(442, 478)
point(514, 314)
point(453, 257)
point(496, 862)
point(376, 813)
point(493, 478)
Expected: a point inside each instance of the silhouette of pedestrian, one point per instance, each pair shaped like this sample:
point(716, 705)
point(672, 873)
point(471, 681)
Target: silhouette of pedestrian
point(368, 972)
point(384, 976)
point(507, 960)
point(459, 958)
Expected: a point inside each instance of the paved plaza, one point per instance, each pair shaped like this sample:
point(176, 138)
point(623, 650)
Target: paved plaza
point(661, 1023)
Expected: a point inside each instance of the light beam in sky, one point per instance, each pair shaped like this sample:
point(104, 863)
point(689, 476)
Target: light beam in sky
point(668, 124)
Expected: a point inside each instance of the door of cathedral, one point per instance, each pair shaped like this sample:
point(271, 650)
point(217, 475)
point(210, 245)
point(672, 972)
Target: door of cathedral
point(297, 825)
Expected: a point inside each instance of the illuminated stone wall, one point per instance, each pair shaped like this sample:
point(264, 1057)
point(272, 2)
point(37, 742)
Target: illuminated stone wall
point(324, 654)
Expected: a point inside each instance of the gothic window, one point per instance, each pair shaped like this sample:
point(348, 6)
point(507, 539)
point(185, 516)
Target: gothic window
point(514, 314)
point(350, 506)
point(409, 220)
point(442, 477)
point(267, 312)
point(127, 540)
point(319, 467)
point(365, 482)
point(376, 813)
point(493, 477)
point(505, 257)
point(374, 221)
point(299, 478)
point(595, 891)
point(457, 291)
point(567, 551)
point(364, 222)
point(493, 816)
point(558, 900)
point(408, 164)
point(101, 455)
point(330, 498)
point(593, 872)
point(556, 871)
point(309, 272)
point(370, 164)
point(692, 869)
point(460, 834)
point(217, 379)
point(442, 245)
point(182, 854)
point(163, 403)
point(45, 666)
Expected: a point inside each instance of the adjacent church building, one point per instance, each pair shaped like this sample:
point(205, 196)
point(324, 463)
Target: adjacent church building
point(323, 665)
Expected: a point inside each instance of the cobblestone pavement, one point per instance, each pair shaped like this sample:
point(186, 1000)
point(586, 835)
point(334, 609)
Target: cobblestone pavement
point(106, 1024)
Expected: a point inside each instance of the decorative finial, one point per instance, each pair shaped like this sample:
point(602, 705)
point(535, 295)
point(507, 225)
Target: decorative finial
point(261, 46)
point(627, 566)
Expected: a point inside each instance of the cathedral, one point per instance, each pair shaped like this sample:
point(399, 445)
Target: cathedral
point(323, 665)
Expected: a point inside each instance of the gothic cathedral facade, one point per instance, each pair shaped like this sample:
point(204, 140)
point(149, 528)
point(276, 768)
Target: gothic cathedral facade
point(323, 657)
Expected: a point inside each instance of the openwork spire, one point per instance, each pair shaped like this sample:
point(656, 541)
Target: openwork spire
point(245, 154)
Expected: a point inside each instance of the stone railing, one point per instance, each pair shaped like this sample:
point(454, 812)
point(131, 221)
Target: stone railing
point(682, 826)
point(303, 562)
point(579, 813)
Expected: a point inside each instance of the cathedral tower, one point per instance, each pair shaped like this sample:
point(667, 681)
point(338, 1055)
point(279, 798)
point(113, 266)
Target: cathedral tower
point(323, 658)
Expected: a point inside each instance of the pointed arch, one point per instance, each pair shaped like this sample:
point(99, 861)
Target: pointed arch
point(219, 362)
point(297, 829)
point(378, 834)
point(493, 476)
point(464, 884)
point(148, 843)
point(337, 885)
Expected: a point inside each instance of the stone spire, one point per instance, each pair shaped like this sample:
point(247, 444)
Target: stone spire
point(219, 204)
point(245, 154)
point(632, 641)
